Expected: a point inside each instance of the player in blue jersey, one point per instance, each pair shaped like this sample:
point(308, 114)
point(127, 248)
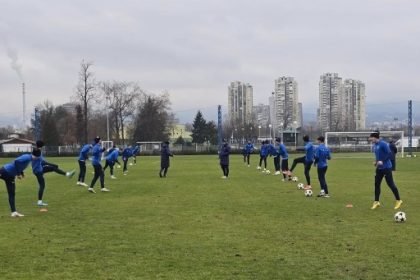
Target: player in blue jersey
point(96, 163)
point(165, 153)
point(263, 155)
point(224, 158)
point(322, 155)
point(249, 149)
point(83, 157)
point(284, 160)
point(40, 166)
point(383, 169)
point(126, 154)
point(307, 160)
point(274, 151)
point(136, 151)
point(111, 159)
point(10, 171)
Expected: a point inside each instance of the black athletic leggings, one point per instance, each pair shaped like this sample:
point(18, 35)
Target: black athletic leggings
point(307, 165)
point(11, 187)
point(125, 160)
point(111, 166)
point(387, 173)
point(277, 163)
point(285, 166)
point(321, 176)
point(163, 169)
point(82, 174)
point(263, 158)
point(41, 180)
point(225, 169)
point(99, 173)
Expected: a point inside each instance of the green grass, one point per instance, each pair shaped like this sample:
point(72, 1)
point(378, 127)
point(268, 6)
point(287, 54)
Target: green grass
point(194, 225)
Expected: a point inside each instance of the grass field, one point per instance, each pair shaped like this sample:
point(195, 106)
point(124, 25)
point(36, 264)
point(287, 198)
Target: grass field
point(194, 225)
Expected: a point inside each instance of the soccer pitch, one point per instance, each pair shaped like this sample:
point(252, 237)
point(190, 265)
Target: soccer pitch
point(194, 225)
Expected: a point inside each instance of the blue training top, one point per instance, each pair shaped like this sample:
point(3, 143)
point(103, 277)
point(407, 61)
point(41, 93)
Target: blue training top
point(128, 152)
point(309, 152)
point(264, 150)
point(84, 152)
point(249, 148)
point(113, 155)
point(283, 152)
point(18, 165)
point(37, 165)
point(97, 154)
point(322, 155)
point(383, 153)
point(272, 150)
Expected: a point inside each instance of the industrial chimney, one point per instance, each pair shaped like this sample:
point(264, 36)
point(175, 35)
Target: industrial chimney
point(23, 106)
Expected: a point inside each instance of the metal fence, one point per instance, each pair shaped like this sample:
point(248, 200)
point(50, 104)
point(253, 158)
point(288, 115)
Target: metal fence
point(73, 151)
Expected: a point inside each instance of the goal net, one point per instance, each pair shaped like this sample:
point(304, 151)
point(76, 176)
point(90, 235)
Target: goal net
point(358, 141)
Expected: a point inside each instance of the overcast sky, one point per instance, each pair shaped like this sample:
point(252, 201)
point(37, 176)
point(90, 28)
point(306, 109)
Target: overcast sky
point(194, 49)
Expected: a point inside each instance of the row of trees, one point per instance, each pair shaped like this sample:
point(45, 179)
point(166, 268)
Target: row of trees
point(119, 108)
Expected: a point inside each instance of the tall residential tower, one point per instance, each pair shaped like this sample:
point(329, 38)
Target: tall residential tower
point(240, 103)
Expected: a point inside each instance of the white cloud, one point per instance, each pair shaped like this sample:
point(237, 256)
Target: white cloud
point(194, 49)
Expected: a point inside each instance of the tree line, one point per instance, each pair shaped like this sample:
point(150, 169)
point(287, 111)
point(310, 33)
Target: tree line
point(129, 112)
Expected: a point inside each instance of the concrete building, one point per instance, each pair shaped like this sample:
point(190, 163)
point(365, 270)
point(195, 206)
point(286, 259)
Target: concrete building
point(284, 105)
point(240, 103)
point(353, 104)
point(330, 112)
point(262, 114)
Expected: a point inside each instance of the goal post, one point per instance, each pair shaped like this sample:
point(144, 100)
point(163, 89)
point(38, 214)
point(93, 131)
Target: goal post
point(358, 141)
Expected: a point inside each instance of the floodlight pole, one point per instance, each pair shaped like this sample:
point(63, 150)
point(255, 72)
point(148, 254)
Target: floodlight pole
point(410, 128)
point(107, 118)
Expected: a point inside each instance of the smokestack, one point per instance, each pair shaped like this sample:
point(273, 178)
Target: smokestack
point(23, 106)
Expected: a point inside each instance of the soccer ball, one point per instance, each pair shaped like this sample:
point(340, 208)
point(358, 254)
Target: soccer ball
point(300, 186)
point(400, 217)
point(308, 193)
point(267, 172)
point(295, 179)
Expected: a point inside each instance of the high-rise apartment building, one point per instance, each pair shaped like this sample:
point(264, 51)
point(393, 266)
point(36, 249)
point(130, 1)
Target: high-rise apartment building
point(284, 105)
point(353, 104)
point(240, 103)
point(330, 102)
point(341, 104)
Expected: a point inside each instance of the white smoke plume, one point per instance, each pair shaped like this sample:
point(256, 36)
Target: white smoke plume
point(11, 52)
point(13, 55)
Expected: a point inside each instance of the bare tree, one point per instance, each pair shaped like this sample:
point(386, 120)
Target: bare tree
point(123, 100)
point(85, 93)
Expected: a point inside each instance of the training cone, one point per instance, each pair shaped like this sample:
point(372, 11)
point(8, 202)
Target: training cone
point(43, 210)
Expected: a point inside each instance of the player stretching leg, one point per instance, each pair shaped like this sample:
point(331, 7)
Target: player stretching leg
point(306, 160)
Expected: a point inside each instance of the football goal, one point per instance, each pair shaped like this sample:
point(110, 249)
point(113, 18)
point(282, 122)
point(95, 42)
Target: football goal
point(358, 141)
